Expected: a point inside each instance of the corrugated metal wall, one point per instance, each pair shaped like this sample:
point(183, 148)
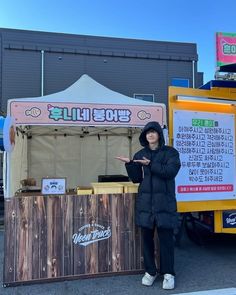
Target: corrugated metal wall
point(124, 65)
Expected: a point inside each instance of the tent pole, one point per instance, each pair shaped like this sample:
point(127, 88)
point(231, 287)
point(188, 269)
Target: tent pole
point(28, 155)
point(6, 185)
point(130, 142)
point(106, 168)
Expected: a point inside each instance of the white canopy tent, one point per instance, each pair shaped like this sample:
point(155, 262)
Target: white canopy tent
point(75, 133)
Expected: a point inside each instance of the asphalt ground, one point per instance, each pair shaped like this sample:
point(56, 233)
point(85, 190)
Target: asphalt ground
point(210, 266)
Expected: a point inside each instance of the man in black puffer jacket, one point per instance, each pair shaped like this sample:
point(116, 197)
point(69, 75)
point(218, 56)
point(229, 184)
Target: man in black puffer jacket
point(155, 167)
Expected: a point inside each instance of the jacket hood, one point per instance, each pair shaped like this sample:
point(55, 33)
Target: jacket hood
point(155, 126)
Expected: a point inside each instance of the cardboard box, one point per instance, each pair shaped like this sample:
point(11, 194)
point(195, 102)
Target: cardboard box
point(129, 187)
point(107, 188)
point(84, 190)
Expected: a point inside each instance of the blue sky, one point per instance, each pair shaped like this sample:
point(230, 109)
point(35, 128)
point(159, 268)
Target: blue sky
point(194, 21)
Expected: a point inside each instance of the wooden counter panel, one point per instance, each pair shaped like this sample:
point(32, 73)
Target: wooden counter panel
point(53, 237)
point(68, 223)
point(10, 245)
point(24, 238)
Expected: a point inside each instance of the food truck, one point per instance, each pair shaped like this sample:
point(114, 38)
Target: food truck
point(62, 220)
point(202, 128)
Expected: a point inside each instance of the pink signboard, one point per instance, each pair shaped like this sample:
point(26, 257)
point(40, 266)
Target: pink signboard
point(53, 113)
point(225, 48)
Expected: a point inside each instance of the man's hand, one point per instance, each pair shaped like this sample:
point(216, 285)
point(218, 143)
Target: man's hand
point(144, 161)
point(123, 159)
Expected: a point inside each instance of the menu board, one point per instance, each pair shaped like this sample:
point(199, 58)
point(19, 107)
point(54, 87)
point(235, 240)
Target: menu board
point(206, 143)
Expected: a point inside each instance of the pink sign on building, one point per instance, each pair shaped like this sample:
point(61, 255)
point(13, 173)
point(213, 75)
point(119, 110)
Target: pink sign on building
point(53, 113)
point(225, 48)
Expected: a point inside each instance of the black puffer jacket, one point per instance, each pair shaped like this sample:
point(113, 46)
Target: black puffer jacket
point(156, 202)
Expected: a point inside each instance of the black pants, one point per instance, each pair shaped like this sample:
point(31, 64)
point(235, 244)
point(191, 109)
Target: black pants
point(166, 242)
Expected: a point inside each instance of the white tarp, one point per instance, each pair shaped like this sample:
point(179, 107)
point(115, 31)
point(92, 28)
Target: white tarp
point(87, 90)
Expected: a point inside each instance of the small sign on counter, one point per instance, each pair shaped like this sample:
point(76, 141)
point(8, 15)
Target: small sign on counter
point(53, 186)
